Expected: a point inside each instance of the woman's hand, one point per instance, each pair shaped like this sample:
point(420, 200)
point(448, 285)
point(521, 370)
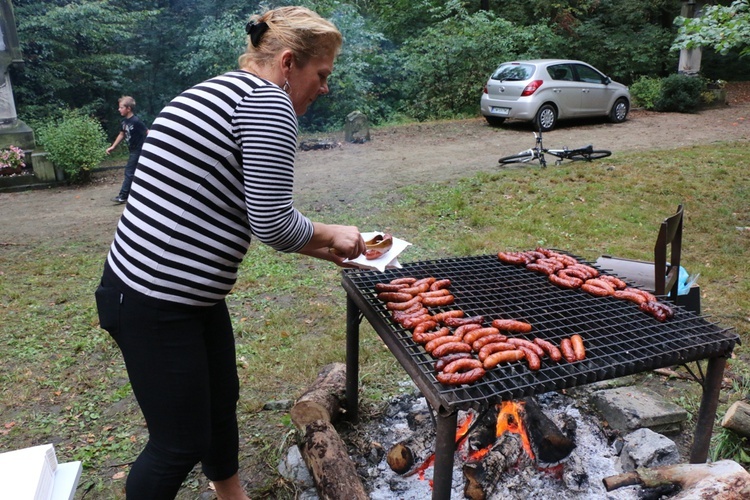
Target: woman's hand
point(335, 243)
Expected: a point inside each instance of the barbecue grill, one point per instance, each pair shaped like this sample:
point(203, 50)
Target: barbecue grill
point(620, 340)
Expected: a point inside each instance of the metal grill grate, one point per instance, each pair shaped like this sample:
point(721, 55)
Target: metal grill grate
point(620, 339)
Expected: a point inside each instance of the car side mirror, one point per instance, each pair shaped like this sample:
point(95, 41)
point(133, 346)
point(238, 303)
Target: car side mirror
point(607, 80)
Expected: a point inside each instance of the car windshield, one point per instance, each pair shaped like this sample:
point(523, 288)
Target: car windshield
point(513, 72)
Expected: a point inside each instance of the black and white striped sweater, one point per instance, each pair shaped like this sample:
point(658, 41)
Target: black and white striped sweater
point(216, 167)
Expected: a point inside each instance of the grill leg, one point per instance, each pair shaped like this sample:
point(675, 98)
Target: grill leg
point(352, 360)
point(445, 448)
point(707, 413)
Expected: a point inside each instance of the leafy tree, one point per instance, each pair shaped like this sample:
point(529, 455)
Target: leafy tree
point(722, 28)
point(448, 63)
point(364, 76)
point(76, 54)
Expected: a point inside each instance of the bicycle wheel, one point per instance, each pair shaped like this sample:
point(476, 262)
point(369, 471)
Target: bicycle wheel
point(594, 155)
point(524, 157)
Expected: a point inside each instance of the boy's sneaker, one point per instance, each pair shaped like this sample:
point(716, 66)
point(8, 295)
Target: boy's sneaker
point(119, 199)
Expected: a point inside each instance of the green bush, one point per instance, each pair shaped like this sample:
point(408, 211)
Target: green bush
point(646, 91)
point(76, 143)
point(680, 93)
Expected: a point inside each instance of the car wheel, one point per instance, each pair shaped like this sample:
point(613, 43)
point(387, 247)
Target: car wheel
point(619, 111)
point(546, 118)
point(494, 120)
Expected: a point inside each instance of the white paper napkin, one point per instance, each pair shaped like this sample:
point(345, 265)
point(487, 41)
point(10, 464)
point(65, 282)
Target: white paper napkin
point(386, 261)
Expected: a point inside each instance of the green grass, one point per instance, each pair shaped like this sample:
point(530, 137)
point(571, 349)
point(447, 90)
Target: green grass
point(64, 379)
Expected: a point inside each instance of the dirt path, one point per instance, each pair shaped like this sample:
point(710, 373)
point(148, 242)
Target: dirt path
point(396, 156)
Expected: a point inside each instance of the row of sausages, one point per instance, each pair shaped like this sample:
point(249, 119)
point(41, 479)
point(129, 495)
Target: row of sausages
point(455, 339)
point(566, 272)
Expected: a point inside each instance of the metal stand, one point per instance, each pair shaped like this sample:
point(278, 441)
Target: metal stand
point(707, 413)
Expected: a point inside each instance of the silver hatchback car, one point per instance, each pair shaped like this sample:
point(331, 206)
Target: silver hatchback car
point(546, 90)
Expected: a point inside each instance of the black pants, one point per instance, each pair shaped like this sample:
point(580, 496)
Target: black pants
point(129, 173)
point(182, 367)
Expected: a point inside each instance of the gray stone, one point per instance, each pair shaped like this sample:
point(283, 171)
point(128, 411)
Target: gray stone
point(293, 468)
point(357, 127)
point(280, 405)
point(630, 408)
point(646, 448)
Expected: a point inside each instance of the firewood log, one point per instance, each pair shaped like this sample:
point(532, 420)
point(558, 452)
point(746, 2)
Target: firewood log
point(723, 480)
point(483, 476)
point(323, 400)
point(737, 418)
point(333, 472)
point(405, 455)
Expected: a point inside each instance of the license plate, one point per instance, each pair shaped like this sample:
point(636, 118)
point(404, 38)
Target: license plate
point(500, 111)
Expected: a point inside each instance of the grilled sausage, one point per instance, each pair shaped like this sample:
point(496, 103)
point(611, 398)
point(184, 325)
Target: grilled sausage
point(441, 317)
point(395, 296)
point(438, 301)
point(540, 267)
point(440, 284)
point(462, 330)
point(454, 322)
point(658, 310)
point(403, 281)
point(436, 293)
point(626, 294)
point(416, 289)
point(389, 287)
point(462, 365)
point(566, 346)
point(440, 363)
point(450, 348)
point(425, 337)
point(532, 358)
point(565, 282)
point(550, 349)
point(616, 282)
point(502, 357)
point(489, 339)
point(578, 348)
point(597, 291)
point(511, 325)
point(413, 321)
point(437, 342)
point(494, 347)
point(527, 344)
point(402, 306)
point(515, 258)
point(473, 335)
point(461, 378)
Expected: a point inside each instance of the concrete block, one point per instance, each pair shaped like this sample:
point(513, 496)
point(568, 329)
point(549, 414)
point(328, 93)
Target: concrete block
point(630, 408)
point(44, 170)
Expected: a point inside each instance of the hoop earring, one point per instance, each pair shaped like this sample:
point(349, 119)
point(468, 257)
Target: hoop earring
point(286, 87)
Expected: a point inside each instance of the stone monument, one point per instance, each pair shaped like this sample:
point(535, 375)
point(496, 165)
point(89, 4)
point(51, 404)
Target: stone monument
point(12, 130)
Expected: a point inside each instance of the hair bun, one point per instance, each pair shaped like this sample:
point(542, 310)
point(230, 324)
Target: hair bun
point(256, 30)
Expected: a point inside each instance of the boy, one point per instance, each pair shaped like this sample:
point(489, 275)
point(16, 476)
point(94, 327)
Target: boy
point(134, 132)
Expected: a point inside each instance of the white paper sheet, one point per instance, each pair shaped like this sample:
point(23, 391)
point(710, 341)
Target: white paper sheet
point(387, 260)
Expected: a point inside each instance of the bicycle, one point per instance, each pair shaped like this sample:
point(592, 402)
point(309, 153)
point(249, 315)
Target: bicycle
point(587, 153)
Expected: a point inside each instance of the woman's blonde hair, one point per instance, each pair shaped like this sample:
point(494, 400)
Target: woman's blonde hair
point(299, 29)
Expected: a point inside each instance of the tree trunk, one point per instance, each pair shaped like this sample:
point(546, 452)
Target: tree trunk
point(332, 470)
point(723, 480)
point(323, 400)
point(737, 418)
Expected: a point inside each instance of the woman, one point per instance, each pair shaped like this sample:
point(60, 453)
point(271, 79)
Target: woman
point(216, 167)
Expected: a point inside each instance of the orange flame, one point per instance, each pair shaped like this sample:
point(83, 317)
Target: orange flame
point(509, 420)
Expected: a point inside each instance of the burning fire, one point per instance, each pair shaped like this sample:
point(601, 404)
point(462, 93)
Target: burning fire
point(508, 420)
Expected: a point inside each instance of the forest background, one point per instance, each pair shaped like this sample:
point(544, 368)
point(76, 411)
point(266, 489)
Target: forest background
point(402, 59)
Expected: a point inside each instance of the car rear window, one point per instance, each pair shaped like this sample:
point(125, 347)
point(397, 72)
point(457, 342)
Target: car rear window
point(513, 72)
